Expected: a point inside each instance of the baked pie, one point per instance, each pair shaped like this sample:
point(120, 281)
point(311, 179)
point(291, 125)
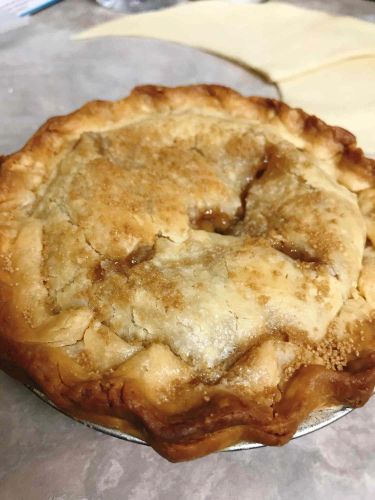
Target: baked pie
point(191, 266)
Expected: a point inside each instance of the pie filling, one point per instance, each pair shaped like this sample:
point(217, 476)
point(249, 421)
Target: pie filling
point(192, 252)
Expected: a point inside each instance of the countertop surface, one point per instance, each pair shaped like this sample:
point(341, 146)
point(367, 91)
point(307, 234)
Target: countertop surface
point(45, 455)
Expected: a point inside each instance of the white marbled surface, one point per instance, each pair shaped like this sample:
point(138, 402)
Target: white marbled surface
point(45, 455)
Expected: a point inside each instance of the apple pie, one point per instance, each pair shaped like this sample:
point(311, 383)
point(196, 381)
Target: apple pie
point(191, 266)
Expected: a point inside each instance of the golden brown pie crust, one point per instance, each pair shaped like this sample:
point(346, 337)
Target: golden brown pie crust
point(185, 399)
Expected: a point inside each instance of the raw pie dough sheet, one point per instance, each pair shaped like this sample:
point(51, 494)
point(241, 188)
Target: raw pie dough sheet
point(279, 40)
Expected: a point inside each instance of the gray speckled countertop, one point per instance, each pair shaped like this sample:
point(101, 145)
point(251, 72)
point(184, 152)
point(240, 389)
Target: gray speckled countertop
point(45, 455)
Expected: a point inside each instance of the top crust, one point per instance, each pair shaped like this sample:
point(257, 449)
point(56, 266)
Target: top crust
point(190, 262)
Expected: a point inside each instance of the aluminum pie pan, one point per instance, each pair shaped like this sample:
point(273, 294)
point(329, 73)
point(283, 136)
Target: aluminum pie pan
point(317, 420)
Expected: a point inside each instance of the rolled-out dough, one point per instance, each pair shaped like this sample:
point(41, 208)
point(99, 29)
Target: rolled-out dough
point(279, 40)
